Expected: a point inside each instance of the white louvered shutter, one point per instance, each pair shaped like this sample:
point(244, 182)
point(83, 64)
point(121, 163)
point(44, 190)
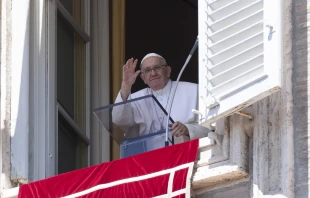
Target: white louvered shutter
point(240, 54)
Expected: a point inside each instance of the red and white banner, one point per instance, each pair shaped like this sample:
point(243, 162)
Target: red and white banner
point(161, 173)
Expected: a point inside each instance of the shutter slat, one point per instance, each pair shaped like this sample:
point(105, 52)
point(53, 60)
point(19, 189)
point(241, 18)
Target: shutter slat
point(235, 82)
point(234, 27)
point(225, 50)
point(218, 37)
point(215, 5)
point(234, 10)
point(244, 84)
point(236, 37)
point(238, 15)
point(234, 71)
point(215, 13)
point(240, 57)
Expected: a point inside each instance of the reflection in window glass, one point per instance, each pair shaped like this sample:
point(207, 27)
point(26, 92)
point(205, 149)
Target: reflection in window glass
point(72, 151)
point(76, 9)
point(71, 94)
point(71, 72)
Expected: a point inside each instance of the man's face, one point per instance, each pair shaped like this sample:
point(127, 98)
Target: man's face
point(155, 79)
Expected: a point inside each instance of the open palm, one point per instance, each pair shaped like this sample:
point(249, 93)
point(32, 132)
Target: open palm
point(129, 73)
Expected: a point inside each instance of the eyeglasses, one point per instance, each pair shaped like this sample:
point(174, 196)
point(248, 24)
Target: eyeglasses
point(155, 69)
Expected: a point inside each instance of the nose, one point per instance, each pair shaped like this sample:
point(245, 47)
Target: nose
point(153, 72)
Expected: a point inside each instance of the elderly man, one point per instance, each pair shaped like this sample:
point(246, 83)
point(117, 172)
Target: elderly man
point(155, 72)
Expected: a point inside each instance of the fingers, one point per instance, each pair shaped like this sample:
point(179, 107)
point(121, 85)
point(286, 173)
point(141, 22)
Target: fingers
point(137, 73)
point(129, 73)
point(179, 129)
point(134, 64)
point(130, 64)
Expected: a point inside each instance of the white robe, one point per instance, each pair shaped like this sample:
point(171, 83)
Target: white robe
point(143, 118)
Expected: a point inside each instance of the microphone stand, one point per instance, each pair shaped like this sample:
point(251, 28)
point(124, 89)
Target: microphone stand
point(178, 79)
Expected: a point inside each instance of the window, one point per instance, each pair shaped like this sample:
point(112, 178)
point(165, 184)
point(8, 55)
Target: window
point(72, 138)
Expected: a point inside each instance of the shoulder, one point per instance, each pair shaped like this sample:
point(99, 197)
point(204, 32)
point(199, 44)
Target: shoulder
point(140, 93)
point(187, 89)
point(187, 85)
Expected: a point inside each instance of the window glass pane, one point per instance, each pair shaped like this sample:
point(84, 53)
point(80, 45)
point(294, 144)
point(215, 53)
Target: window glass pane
point(65, 65)
point(71, 79)
point(68, 4)
point(72, 151)
point(76, 9)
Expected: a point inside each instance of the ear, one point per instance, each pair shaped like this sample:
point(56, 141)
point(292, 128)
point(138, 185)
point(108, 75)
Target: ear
point(168, 71)
point(142, 77)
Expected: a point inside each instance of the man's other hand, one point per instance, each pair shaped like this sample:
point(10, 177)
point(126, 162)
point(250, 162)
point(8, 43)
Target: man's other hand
point(179, 129)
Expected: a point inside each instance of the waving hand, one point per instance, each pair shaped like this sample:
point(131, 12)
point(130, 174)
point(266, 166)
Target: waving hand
point(129, 77)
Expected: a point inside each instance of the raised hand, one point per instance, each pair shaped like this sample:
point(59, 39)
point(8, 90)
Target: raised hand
point(129, 77)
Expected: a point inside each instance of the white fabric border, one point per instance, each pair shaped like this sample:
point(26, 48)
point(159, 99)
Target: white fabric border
point(143, 177)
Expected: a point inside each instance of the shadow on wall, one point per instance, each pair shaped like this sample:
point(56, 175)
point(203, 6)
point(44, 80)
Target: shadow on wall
point(18, 80)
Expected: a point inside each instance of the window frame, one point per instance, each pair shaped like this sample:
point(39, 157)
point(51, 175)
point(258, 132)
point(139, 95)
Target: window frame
point(84, 34)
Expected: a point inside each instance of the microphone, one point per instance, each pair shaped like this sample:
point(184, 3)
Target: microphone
point(177, 82)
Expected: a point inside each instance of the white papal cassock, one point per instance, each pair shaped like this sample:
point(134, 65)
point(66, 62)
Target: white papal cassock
point(144, 116)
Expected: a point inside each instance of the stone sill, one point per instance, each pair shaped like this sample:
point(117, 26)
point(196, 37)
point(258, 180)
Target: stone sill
point(206, 177)
point(209, 173)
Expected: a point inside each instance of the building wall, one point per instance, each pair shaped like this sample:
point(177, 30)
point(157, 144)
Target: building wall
point(301, 92)
point(269, 148)
point(278, 142)
point(5, 69)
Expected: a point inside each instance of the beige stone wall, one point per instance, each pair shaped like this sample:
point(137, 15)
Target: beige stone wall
point(265, 145)
point(301, 9)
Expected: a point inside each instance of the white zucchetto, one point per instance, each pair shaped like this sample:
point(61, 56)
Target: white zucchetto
point(151, 55)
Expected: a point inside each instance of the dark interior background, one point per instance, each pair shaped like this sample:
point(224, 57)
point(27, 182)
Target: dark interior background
point(166, 27)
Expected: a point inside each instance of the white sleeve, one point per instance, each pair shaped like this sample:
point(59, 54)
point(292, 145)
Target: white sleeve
point(122, 115)
point(196, 131)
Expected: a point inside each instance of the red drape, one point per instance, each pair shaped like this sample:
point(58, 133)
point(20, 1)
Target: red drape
point(143, 175)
